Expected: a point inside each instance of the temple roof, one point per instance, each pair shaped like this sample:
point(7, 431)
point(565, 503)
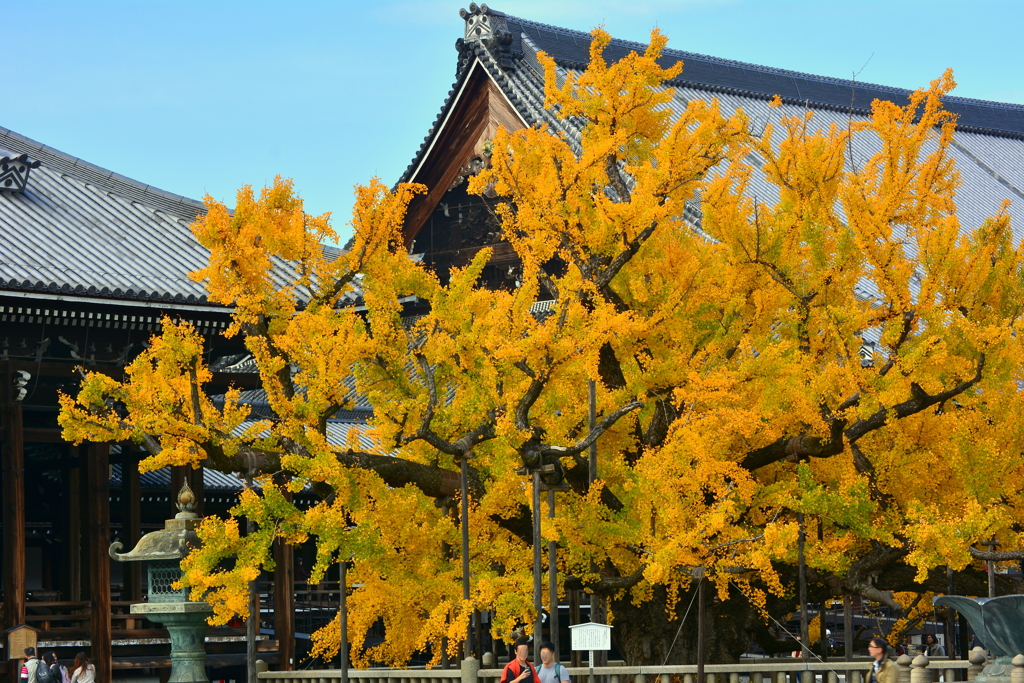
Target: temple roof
point(988, 148)
point(78, 230)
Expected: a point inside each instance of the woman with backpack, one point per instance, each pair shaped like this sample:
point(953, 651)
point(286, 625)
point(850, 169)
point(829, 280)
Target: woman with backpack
point(82, 671)
point(58, 670)
point(43, 671)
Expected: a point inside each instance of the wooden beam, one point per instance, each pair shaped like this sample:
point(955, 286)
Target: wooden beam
point(100, 635)
point(13, 465)
point(43, 435)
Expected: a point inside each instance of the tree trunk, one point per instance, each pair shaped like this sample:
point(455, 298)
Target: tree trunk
point(644, 633)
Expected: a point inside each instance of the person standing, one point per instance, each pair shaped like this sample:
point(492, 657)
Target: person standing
point(519, 670)
point(30, 669)
point(550, 671)
point(932, 647)
point(83, 671)
point(883, 670)
point(59, 672)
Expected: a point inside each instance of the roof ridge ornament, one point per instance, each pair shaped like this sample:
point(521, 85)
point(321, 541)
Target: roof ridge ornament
point(483, 22)
point(14, 172)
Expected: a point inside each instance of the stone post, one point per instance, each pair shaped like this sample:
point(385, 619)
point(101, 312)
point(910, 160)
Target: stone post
point(978, 658)
point(1017, 674)
point(470, 670)
point(919, 672)
point(903, 663)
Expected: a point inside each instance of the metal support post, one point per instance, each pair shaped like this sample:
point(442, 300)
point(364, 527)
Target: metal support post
point(553, 582)
point(343, 619)
point(465, 543)
point(802, 567)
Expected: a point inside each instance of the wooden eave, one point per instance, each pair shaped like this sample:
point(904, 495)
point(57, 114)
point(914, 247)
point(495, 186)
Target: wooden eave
point(479, 109)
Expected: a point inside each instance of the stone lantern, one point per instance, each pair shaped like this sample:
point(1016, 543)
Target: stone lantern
point(163, 551)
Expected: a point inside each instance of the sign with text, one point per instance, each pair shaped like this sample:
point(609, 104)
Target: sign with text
point(591, 636)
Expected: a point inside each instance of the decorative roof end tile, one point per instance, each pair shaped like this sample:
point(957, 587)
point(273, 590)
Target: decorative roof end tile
point(14, 172)
point(483, 22)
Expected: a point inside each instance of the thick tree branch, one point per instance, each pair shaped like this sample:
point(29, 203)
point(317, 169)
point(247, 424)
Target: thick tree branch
point(632, 247)
point(606, 585)
point(920, 400)
point(1001, 556)
point(797, 448)
point(615, 179)
point(803, 447)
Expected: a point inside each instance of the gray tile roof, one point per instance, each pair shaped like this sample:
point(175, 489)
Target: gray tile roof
point(570, 48)
point(79, 229)
point(989, 145)
point(160, 480)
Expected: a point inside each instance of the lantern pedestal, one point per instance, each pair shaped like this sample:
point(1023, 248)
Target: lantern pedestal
point(186, 623)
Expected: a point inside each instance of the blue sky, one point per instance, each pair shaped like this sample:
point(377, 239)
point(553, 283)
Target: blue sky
point(203, 97)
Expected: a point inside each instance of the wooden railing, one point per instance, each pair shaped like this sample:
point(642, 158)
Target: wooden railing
point(917, 670)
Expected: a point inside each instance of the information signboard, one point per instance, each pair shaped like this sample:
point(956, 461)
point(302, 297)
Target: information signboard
point(591, 636)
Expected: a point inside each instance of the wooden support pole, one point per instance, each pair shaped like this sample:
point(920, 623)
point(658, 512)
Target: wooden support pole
point(992, 544)
point(949, 630)
point(538, 625)
point(801, 539)
point(13, 465)
point(553, 582)
point(701, 626)
point(464, 520)
point(848, 633)
point(252, 622)
point(98, 468)
point(343, 619)
point(284, 600)
point(574, 618)
point(478, 634)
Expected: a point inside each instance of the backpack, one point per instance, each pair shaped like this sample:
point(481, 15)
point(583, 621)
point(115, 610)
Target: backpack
point(64, 675)
point(43, 674)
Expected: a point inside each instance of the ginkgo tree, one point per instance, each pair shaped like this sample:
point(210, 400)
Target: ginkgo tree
point(732, 390)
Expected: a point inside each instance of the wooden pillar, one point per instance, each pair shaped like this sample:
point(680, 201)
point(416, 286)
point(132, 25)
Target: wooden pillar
point(74, 554)
point(98, 469)
point(13, 465)
point(198, 485)
point(86, 550)
point(284, 601)
point(131, 512)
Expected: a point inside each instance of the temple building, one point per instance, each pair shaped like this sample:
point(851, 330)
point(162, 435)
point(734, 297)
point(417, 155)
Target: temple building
point(90, 261)
point(500, 82)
